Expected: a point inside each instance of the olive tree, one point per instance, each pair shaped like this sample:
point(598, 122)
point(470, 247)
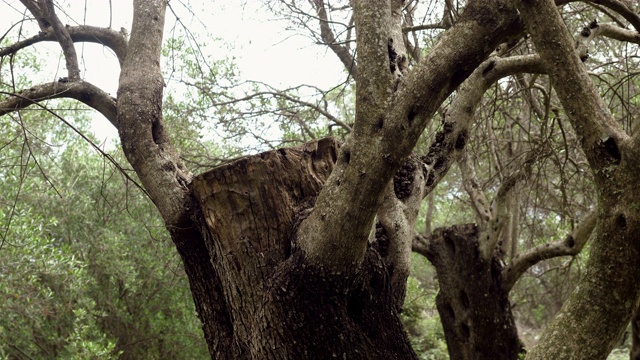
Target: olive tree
point(304, 252)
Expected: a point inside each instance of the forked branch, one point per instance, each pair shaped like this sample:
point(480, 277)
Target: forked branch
point(571, 245)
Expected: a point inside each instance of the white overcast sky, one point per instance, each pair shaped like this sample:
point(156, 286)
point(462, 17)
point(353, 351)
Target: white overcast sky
point(262, 48)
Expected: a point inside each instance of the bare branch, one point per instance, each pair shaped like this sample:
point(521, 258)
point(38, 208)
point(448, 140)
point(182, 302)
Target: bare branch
point(314, 107)
point(412, 48)
point(491, 230)
point(407, 29)
point(63, 37)
point(478, 199)
point(34, 9)
point(114, 40)
point(82, 91)
point(329, 39)
point(618, 33)
point(571, 245)
point(621, 8)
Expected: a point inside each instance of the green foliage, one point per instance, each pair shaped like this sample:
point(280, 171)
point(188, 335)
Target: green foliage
point(43, 287)
point(420, 316)
point(87, 270)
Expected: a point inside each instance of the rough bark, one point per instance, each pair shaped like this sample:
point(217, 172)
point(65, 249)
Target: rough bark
point(281, 305)
point(391, 114)
point(607, 296)
point(473, 305)
point(395, 226)
point(156, 162)
point(264, 289)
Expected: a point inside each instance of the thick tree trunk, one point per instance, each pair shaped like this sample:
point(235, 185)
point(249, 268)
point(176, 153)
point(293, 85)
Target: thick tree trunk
point(281, 305)
point(473, 305)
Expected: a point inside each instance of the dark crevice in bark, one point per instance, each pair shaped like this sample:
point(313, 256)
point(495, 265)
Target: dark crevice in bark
point(381, 242)
point(473, 305)
point(324, 315)
point(403, 180)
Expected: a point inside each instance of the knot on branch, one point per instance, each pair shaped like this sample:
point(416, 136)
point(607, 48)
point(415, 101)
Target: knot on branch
point(403, 179)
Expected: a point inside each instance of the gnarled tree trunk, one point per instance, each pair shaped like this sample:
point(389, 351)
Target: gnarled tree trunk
point(281, 305)
point(473, 304)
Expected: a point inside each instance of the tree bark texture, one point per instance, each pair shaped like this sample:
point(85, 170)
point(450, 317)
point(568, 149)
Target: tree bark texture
point(280, 305)
point(474, 306)
point(606, 298)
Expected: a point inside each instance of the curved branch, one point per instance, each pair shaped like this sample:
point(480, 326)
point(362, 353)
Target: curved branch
point(63, 37)
point(114, 40)
point(329, 39)
point(609, 30)
point(621, 8)
point(82, 91)
point(34, 9)
point(420, 245)
point(620, 34)
point(571, 245)
point(447, 148)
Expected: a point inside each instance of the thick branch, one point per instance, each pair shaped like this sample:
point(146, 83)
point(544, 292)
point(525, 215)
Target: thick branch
point(420, 245)
point(603, 303)
point(397, 218)
point(114, 40)
point(588, 113)
point(142, 133)
point(63, 37)
point(571, 245)
point(156, 162)
point(34, 9)
point(448, 145)
point(621, 8)
point(82, 91)
point(618, 33)
point(336, 232)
